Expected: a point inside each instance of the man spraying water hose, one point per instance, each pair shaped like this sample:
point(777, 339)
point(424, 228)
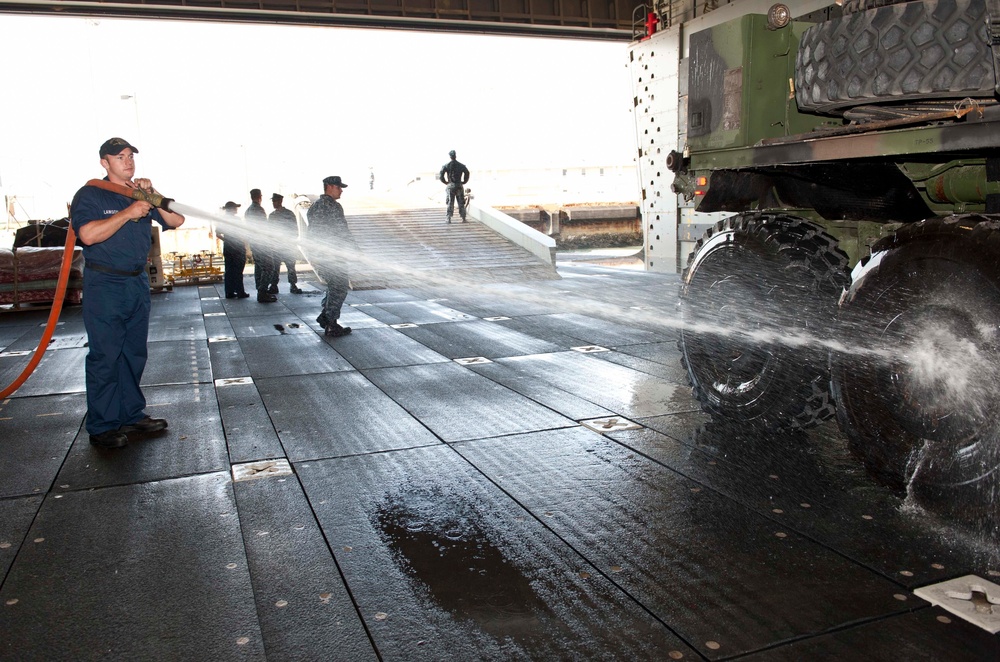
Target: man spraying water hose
point(113, 220)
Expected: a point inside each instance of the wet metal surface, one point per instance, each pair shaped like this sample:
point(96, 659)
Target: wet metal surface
point(536, 503)
point(177, 362)
point(540, 391)
point(444, 566)
point(89, 573)
point(766, 566)
point(618, 389)
point(270, 325)
point(249, 431)
point(478, 338)
point(926, 634)
point(384, 348)
point(337, 414)
point(227, 358)
point(298, 354)
point(36, 433)
point(815, 488)
point(415, 312)
point(59, 371)
point(16, 516)
point(193, 444)
point(456, 403)
point(304, 608)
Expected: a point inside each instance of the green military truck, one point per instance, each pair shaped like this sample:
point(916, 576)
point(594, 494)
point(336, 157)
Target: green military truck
point(858, 276)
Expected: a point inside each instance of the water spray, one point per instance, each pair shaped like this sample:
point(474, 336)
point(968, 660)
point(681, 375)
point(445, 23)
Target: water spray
point(272, 238)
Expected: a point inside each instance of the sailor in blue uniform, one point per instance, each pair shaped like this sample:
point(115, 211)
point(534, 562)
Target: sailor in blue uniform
point(116, 233)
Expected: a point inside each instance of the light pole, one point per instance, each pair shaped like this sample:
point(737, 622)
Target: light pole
point(135, 105)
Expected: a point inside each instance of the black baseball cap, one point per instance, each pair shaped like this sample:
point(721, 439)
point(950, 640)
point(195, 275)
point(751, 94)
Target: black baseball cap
point(113, 146)
point(231, 205)
point(334, 180)
point(277, 196)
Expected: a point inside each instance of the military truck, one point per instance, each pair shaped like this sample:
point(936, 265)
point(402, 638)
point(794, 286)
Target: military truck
point(857, 273)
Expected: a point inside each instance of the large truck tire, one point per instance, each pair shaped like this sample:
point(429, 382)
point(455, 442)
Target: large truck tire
point(931, 49)
point(755, 285)
point(918, 405)
point(854, 6)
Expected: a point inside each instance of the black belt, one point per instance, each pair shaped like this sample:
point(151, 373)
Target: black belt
point(114, 272)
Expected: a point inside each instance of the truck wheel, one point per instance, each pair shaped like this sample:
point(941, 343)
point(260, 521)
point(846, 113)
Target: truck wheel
point(934, 49)
point(919, 409)
point(751, 282)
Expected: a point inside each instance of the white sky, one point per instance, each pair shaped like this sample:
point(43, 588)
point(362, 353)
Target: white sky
point(220, 108)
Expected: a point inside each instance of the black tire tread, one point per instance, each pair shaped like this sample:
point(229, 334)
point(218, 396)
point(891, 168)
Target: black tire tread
point(808, 244)
point(929, 49)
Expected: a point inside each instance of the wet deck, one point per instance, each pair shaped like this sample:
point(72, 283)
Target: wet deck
point(441, 509)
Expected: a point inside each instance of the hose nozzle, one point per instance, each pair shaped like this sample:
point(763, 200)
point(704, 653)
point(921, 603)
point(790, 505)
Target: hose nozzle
point(151, 197)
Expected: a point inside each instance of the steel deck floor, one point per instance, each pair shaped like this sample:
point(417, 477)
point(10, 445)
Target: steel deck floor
point(488, 472)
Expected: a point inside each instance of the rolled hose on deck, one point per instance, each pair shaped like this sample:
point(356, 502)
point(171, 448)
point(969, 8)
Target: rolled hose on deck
point(53, 315)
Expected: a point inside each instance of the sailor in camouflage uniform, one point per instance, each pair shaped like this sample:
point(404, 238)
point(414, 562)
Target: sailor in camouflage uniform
point(329, 239)
point(283, 220)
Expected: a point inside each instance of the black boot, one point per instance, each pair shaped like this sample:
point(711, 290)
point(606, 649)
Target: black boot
point(335, 330)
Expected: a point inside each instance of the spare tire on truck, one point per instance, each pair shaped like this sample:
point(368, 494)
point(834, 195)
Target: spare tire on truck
point(930, 49)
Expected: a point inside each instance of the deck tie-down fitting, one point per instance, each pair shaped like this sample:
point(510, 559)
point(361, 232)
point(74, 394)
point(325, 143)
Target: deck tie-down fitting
point(233, 381)
point(610, 424)
point(971, 598)
point(262, 469)
point(473, 360)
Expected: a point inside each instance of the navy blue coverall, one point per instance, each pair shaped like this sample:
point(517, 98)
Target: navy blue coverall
point(115, 310)
point(234, 253)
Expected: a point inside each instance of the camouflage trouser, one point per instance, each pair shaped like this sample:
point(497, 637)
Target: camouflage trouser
point(337, 284)
point(264, 267)
point(452, 192)
point(289, 260)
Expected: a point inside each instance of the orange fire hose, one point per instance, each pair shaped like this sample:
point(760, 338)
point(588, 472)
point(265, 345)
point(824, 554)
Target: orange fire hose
point(53, 315)
point(152, 198)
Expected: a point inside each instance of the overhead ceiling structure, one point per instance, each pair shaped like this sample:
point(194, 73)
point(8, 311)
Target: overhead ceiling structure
point(589, 19)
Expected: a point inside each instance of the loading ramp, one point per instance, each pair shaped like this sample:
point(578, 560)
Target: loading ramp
point(406, 245)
